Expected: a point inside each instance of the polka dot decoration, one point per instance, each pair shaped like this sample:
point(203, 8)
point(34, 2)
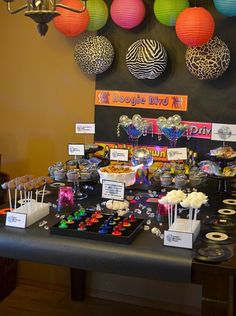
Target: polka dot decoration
point(167, 11)
point(226, 7)
point(71, 23)
point(127, 13)
point(195, 26)
point(94, 54)
point(146, 59)
point(208, 61)
point(98, 14)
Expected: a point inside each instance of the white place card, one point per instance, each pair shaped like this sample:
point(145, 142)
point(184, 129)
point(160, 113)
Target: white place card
point(113, 190)
point(223, 132)
point(119, 154)
point(82, 128)
point(76, 149)
point(178, 239)
point(14, 219)
point(177, 153)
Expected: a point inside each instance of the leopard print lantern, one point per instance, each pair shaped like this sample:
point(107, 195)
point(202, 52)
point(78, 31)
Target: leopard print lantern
point(208, 61)
point(94, 54)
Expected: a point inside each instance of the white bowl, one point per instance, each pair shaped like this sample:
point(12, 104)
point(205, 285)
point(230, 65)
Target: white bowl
point(128, 178)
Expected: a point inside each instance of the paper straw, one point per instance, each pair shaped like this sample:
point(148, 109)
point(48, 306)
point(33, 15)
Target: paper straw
point(9, 197)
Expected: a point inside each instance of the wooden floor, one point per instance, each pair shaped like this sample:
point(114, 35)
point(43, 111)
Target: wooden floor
point(34, 301)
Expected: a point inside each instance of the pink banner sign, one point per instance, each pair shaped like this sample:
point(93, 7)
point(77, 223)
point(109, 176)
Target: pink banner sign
point(196, 129)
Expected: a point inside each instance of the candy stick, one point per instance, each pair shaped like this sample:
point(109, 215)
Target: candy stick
point(9, 196)
point(195, 214)
point(43, 194)
point(171, 214)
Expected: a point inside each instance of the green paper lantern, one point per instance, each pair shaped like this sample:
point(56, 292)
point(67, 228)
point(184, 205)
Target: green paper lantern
point(167, 11)
point(98, 13)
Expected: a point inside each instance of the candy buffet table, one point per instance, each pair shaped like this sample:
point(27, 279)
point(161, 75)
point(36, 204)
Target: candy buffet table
point(146, 257)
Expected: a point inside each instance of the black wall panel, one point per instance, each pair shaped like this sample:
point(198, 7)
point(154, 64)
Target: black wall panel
point(208, 101)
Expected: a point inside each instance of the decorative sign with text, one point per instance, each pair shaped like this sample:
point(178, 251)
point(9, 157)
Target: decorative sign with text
point(113, 190)
point(196, 129)
point(159, 153)
point(81, 128)
point(172, 102)
point(224, 132)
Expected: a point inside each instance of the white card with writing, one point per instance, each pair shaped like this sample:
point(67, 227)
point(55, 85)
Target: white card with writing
point(223, 132)
point(113, 190)
point(119, 154)
point(76, 149)
point(82, 128)
point(178, 239)
point(177, 153)
point(15, 219)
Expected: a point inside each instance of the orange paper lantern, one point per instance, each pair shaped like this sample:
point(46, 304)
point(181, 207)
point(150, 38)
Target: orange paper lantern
point(195, 26)
point(71, 23)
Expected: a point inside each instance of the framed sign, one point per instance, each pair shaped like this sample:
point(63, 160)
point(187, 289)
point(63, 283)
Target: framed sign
point(113, 190)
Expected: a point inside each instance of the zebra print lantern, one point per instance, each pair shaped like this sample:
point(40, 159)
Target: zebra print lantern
point(146, 59)
point(94, 54)
point(208, 61)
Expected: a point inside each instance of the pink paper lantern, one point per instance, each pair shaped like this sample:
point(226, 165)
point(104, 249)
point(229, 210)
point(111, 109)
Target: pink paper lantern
point(127, 13)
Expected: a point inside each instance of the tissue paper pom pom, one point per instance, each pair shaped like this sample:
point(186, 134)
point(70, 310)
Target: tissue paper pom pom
point(208, 61)
point(146, 59)
point(94, 54)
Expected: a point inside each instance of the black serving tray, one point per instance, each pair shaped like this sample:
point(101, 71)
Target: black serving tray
point(92, 232)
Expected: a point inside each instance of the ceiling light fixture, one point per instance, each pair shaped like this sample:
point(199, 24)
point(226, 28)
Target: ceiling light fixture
point(42, 11)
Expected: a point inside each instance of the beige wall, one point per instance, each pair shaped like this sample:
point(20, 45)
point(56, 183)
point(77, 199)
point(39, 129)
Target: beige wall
point(42, 94)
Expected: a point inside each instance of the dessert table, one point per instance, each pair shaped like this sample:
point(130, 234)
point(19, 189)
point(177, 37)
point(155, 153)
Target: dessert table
point(145, 257)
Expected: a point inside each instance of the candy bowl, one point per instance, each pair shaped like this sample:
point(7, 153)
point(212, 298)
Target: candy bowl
point(126, 174)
